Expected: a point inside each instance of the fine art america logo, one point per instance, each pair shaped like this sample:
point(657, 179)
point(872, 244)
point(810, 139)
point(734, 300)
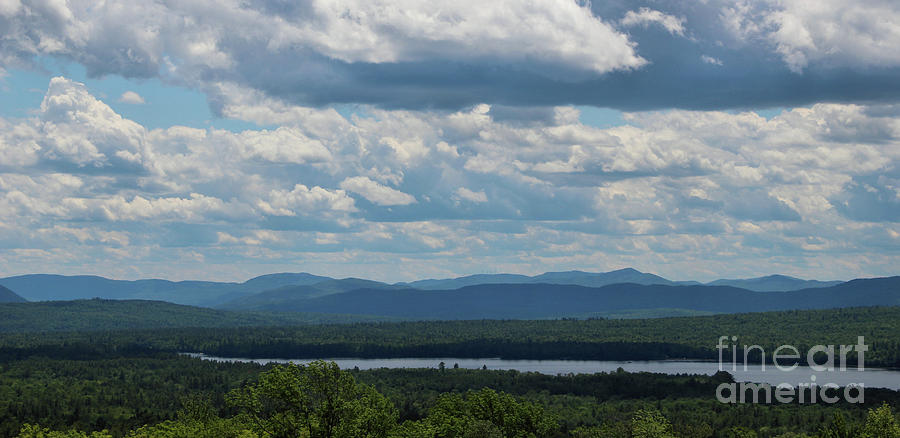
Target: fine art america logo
point(786, 360)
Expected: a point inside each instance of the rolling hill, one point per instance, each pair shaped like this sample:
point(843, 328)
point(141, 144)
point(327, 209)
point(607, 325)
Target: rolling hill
point(534, 301)
point(628, 275)
point(276, 288)
point(580, 278)
point(8, 296)
point(285, 298)
point(774, 283)
point(98, 314)
point(48, 287)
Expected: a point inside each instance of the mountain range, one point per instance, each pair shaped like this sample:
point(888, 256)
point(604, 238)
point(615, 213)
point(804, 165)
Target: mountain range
point(49, 287)
point(580, 278)
point(774, 283)
point(97, 314)
point(549, 295)
point(536, 301)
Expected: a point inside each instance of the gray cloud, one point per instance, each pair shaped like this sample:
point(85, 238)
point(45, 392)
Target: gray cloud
point(871, 199)
point(316, 53)
point(756, 205)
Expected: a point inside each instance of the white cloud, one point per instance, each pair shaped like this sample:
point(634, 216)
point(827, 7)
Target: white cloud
point(376, 193)
point(132, 98)
point(78, 128)
point(668, 189)
point(196, 207)
point(381, 31)
point(191, 37)
point(470, 195)
point(646, 16)
point(9, 8)
point(710, 60)
point(283, 145)
point(304, 200)
point(833, 32)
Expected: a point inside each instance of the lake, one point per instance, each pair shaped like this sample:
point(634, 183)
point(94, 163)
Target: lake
point(869, 377)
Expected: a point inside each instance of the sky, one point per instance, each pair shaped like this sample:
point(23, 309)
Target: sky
point(399, 140)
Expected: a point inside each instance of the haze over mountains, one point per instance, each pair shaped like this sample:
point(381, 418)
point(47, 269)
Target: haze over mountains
point(535, 301)
point(580, 278)
point(774, 283)
point(8, 296)
point(549, 295)
point(49, 287)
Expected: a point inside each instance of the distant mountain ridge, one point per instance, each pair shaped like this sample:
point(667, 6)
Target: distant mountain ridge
point(535, 301)
point(581, 278)
point(774, 283)
point(266, 290)
point(770, 283)
point(97, 314)
point(8, 296)
point(51, 287)
point(284, 298)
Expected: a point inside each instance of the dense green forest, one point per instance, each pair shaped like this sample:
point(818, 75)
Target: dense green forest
point(99, 314)
point(133, 382)
point(636, 339)
point(565, 295)
point(160, 394)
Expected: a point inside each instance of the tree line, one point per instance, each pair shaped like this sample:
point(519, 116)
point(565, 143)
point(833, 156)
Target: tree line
point(647, 339)
point(152, 393)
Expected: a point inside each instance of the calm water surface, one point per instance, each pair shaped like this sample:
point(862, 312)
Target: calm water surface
point(870, 377)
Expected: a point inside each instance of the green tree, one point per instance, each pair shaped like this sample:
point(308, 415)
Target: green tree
point(196, 419)
point(650, 423)
point(608, 430)
point(838, 428)
point(739, 432)
point(483, 414)
point(35, 431)
point(319, 400)
point(881, 423)
point(217, 428)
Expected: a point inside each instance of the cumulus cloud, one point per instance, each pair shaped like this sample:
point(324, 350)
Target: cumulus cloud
point(838, 33)
point(711, 60)
point(376, 193)
point(139, 40)
point(526, 190)
point(421, 55)
point(132, 98)
point(381, 31)
point(283, 145)
point(646, 16)
point(463, 193)
point(302, 199)
point(81, 130)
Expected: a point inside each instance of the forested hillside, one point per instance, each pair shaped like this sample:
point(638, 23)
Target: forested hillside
point(636, 339)
point(292, 298)
point(170, 396)
point(100, 314)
